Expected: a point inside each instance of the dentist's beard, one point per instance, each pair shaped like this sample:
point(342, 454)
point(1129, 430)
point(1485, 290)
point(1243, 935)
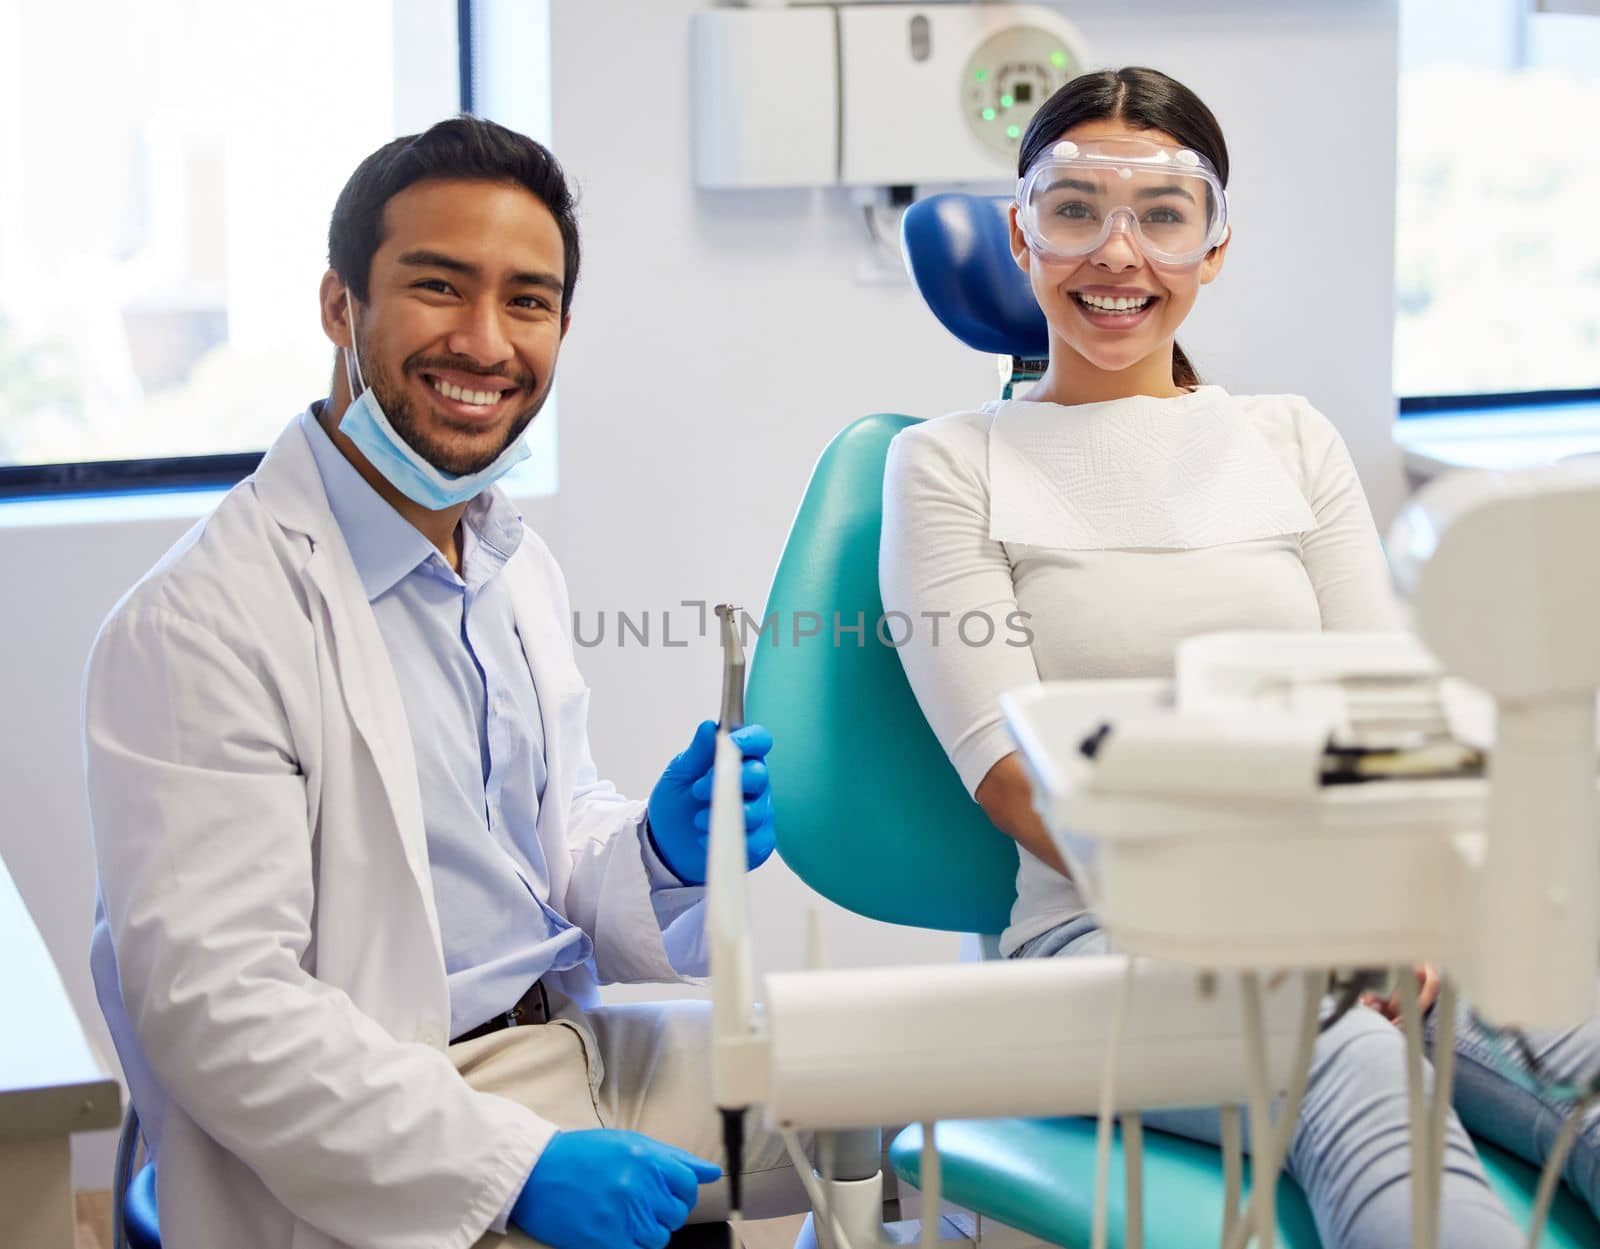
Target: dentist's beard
point(402, 414)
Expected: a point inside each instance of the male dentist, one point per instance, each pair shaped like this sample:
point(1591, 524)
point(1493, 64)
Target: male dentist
point(359, 877)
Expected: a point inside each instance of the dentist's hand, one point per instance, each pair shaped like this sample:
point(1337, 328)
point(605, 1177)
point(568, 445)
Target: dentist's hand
point(679, 815)
point(606, 1189)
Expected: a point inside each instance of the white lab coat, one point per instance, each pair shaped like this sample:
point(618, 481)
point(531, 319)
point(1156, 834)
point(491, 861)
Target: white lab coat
point(267, 952)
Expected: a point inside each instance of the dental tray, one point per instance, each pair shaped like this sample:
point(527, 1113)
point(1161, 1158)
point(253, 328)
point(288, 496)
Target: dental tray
point(1269, 870)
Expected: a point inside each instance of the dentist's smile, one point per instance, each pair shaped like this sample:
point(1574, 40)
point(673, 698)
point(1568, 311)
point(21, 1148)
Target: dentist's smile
point(476, 399)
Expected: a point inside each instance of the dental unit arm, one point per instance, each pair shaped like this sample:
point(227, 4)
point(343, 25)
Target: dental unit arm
point(1507, 595)
point(1347, 800)
point(856, 1049)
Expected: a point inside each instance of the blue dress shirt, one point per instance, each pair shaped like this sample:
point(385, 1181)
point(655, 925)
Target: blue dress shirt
point(475, 726)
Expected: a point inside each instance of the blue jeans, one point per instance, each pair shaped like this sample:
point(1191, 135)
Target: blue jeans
point(1351, 1150)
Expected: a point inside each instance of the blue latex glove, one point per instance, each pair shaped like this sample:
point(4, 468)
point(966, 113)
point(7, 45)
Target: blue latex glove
point(679, 815)
point(606, 1189)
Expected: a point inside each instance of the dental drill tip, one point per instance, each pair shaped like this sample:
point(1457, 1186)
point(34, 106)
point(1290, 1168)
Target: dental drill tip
point(732, 716)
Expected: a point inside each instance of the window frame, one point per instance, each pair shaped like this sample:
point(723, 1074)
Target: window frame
point(184, 472)
point(1421, 407)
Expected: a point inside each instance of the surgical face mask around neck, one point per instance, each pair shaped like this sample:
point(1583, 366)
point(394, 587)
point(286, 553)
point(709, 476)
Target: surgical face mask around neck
point(366, 425)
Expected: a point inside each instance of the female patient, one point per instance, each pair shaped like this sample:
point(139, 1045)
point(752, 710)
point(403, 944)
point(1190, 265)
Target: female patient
point(1124, 506)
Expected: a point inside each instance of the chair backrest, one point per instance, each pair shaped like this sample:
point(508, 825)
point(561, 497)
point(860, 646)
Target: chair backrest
point(870, 812)
point(958, 251)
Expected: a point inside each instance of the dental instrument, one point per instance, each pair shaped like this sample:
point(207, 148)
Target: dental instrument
point(735, 1013)
point(733, 667)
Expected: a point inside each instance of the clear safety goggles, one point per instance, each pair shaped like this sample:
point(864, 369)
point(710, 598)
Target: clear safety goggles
point(1169, 200)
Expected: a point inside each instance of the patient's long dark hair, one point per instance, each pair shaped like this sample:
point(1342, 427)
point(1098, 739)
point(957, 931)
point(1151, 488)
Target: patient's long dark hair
point(1145, 99)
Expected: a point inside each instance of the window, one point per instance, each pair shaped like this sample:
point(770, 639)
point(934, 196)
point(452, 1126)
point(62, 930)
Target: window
point(1498, 253)
point(170, 169)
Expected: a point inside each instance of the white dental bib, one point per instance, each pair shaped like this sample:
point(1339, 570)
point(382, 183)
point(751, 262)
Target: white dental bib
point(1138, 473)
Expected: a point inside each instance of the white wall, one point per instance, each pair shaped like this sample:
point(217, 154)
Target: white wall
point(719, 340)
point(60, 581)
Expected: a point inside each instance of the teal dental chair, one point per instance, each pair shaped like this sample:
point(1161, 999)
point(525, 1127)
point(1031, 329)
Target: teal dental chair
point(134, 1224)
point(873, 816)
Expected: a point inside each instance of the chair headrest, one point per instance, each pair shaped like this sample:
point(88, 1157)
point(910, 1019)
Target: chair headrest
point(958, 250)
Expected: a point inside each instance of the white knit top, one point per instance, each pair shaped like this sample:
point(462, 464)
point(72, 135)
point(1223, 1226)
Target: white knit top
point(1118, 529)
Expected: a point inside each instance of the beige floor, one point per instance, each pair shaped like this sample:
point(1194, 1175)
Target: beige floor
point(94, 1220)
point(94, 1226)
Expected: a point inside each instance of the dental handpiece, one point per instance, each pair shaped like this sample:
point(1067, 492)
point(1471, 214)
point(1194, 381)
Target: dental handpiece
point(732, 669)
point(732, 717)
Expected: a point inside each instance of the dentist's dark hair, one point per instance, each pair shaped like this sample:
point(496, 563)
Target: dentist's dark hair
point(464, 147)
point(1144, 99)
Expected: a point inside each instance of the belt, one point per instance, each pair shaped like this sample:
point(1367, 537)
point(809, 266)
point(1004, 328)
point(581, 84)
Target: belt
point(532, 1007)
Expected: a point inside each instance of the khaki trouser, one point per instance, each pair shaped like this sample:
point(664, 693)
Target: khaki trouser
point(642, 1067)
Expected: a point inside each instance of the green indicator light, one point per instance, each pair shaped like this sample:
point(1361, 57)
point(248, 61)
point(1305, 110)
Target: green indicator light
point(1013, 132)
point(1058, 58)
point(1006, 101)
point(988, 114)
point(981, 75)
